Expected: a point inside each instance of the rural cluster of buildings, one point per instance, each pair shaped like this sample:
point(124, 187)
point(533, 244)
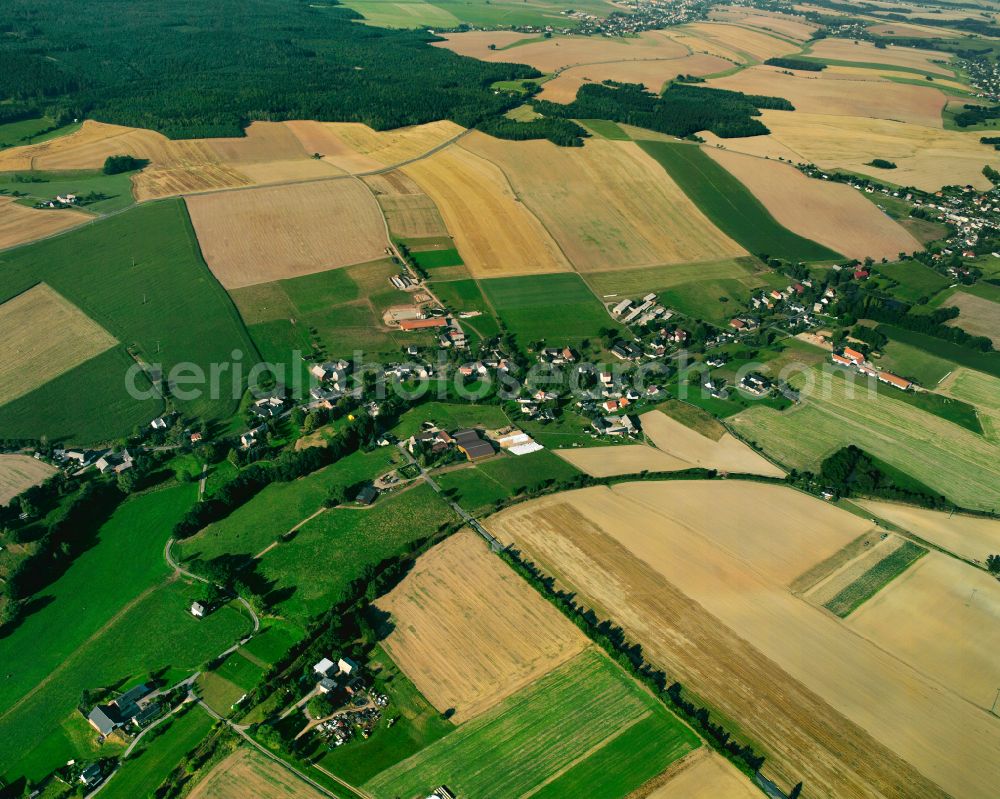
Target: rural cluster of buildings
point(60, 201)
point(343, 681)
point(852, 359)
point(137, 707)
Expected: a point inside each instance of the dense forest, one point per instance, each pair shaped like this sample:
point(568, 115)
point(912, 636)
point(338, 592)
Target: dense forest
point(682, 110)
point(192, 69)
point(795, 63)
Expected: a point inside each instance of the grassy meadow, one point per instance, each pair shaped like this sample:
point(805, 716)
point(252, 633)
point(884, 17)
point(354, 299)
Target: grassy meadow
point(584, 728)
point(954, 461)
point(34, 186)
point(731, 206)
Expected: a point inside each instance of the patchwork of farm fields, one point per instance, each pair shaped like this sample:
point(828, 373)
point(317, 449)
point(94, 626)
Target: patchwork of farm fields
point(952, 460)
point(584, 727)
point(730, 205)
point(708, 600)
point(970, 537)
point(469, 632)
point(606, 204)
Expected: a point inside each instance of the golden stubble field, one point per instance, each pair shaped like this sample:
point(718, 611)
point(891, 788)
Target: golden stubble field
point(20, 224)
point(43, 335)
point(979, 316)
point(741, 41)
point(833, 214)
point(699, 574)
point(927, 158)
point(469, 632)
point(705, 775)
point(894, 56)
point(819, 93)
point(607, 204)
point(409, 212)
point(971, 537)
point(496, 233)
point(258, 235)
point(19, 473)
point(245, 773)
point(786, 25)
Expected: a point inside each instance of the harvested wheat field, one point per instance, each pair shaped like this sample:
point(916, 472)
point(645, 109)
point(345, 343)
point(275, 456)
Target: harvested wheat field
point(705, 775)
point(245, 773)
point(697, 43)
point(563, 51)
point(782, 24)
point(258, 235)
point(826, 706)
point(833, 214)
point(20, 224)
point(19, 473)
point(757, 44)
point(815, 93)
point(727, 454)
point(469, 632)
point(839, 72)
point(496, 233)
point(867, 53)
point(651, 73)
point(978, 316)
point(356, 148)
point(759, 146)
point(621, 459)
point(411, 214)
point(927, 158)
point(942, 617)
point(606, 204)
point(969, 537)
point(42, 335)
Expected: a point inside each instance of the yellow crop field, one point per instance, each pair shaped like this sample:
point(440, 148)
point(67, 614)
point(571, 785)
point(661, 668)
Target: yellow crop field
point(563, 51)
point(726, 454)
point(705, 775)
point(258, 235)
point(651, 73)
point(409, 212)
point(927, 158)
point(816, 93)
point(942, 617)
point(20, 224)
point(356, 148)
point(960, 464)
point(978, 316)
point(246, 772)
point(623, 459)
point(703, 596)
point(43, 335)
point(757, 44)
point(894, 56)
point(469, 632)
point(606, 204)
point(19, 473)
point(833, 214)
point(782, 24)
point(971, 537)
point(496, 233)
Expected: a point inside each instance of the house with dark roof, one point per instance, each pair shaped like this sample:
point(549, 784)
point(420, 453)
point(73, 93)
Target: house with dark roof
point(130, 706)
point(367, 495)
point(472, 445)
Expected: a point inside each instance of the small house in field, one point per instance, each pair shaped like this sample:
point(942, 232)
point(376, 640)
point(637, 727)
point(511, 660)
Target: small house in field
point(472, 445)
point(92, 776)
point(367, 495)
point(348, 666)
point(197, 610)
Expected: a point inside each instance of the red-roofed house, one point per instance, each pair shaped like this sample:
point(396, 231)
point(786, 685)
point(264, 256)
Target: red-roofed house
point(893, 380)
point(854, 355)
point(841, 360)
point(422, 324)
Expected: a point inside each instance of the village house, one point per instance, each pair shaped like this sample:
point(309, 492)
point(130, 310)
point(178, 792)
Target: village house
point(472, 445)
point(267, 407)
point(135, 705)
point(116, 462)
point(367, 495)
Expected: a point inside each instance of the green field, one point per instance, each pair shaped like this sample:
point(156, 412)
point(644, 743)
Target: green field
point(914, 363)
point(988, 362)
point(418, 725)
point(450, 416)
point(915, 280)
point(116, 188)
point(452, 13)
point(956, 462)
point(338, 310)
point(162, 638)
point(159, 753)
point(141, 276)
point(281, 506)
point(465, 295)
point(718, 300)
point(32, 131)
point(432, 259)
point(477, 488)
point(606, 129)
point(227, 682)
point(875, 579)
point(273, 641)
point(558, 309)
point(585, 726)
point(731, 206)
point(312, 571)
point(636, 282)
